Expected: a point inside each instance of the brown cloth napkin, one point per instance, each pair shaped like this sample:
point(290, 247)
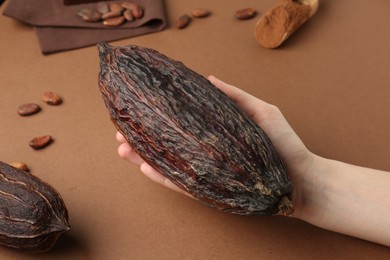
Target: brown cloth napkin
point(58, 27)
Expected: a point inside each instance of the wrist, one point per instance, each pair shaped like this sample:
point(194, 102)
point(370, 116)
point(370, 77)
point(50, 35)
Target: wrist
point(310, 188)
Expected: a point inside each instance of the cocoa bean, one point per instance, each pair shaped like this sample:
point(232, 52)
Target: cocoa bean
point(21, 166)
point(51, 98)
point(112, 14)
point(102, 7)
point(127, 5)
point(28, 109)
point(115, 7)
point(137, 11)
point(200, 13)
point(183, 21)
point(246, 13)
point(40, 141)
point(90, 16)
point(128, 15)
point(115, 21)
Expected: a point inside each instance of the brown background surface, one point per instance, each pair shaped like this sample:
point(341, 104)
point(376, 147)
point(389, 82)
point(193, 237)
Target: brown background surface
point(331, 80)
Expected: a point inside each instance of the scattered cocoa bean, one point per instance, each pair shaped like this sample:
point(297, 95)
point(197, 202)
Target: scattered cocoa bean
point(245, 14)
point(28, 109)
point(20, 165)
point(115, 21)
point(40, 141)
point(51, 98)
point(200, 13)
point(183, 21)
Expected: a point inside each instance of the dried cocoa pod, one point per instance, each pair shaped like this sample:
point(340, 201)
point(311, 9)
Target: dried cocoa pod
point(32, 213)
point(191, 132)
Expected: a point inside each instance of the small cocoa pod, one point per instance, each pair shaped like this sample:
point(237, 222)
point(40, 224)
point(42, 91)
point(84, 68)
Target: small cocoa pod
point(32, 213)
point(191, 132)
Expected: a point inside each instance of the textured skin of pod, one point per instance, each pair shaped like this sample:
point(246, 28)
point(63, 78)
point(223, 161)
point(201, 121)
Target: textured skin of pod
point(32, 213)
point(191, 132)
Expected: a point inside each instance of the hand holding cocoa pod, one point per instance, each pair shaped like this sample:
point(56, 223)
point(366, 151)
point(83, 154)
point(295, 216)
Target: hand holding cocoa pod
point(266, 115)
point(196, 136)
point(322, 187)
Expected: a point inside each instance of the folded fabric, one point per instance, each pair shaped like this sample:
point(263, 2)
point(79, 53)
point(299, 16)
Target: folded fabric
point(59, 28)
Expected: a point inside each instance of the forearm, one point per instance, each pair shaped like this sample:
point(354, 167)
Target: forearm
point(347, 199)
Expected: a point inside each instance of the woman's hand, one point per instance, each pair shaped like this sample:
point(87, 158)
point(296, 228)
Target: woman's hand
point(333, 195)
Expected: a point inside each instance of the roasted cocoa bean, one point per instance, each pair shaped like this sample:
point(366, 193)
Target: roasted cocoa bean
point(40, 141)
point(183, 21)
point(102, 7)
point(51, 98)
point(112, 14)
point(32, 213)
point(127, 5)
point(191, 132)
point(200, 12)
point(90, 16)
point(137, 10)
point(246, 13)
point(128, 15)
point(28, 109)
point(115, 7)
point(115, 21)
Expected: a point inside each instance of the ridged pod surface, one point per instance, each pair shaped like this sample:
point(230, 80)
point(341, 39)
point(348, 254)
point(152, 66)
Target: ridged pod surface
point(191, 132)
point(32, 213)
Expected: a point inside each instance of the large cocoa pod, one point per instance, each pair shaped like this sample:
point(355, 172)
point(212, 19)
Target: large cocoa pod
point(191, 132)
point(32, 213)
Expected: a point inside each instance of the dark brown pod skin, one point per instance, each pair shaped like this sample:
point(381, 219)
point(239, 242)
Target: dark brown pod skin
point(191, 132)
point(32, 213)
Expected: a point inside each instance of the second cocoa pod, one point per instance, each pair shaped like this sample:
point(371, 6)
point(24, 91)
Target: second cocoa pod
point(32, 213)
